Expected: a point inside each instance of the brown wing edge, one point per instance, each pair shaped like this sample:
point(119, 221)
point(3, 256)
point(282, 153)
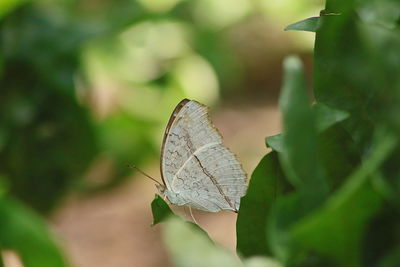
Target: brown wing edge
point(169, 124)
point(246, 179)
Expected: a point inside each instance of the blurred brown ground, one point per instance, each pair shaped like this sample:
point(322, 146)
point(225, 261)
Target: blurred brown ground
point(114, 228)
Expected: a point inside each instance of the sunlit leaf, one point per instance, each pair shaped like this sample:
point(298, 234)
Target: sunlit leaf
point(7, 6)
point(190, 247)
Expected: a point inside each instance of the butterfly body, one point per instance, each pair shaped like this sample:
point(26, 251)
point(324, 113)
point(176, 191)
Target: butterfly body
point(196, 168)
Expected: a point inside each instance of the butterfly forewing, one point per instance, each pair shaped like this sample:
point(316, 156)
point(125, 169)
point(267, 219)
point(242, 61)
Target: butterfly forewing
point(195, 164)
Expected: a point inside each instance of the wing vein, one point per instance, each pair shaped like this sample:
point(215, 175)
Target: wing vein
point(192, 156)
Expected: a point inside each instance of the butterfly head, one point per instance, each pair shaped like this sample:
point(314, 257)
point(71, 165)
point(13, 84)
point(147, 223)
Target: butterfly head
point(170, 196)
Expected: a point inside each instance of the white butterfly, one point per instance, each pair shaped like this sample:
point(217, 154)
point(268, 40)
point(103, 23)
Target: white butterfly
point(198, 171)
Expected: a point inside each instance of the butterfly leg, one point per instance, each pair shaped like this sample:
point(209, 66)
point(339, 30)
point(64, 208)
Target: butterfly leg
point(191, 214)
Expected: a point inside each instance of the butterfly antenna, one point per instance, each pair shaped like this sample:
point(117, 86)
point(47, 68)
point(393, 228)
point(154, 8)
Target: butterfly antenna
point(142, 172)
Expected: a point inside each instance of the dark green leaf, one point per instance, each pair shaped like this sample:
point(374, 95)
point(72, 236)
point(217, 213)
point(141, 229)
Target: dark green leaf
point(284, 213)
point(346, 212)
point(338, 154)
point(48, 137)
point(327, 116)
point(392, 258)
point(355, 71)
point(266, 184)
point(309, 25)
point(24, 232)
point(379, 242)
point(161, 210)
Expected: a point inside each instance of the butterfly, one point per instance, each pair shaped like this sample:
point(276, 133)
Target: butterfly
point(197, 170)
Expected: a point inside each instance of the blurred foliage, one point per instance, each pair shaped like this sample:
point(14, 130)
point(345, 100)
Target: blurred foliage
point(339, 153)
point(87, 83)
point(189, 245)
point(47, 138)
point(24, 232)
point(328, 193)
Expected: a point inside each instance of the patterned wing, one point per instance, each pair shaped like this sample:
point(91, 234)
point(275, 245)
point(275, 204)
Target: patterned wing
point(196, 165)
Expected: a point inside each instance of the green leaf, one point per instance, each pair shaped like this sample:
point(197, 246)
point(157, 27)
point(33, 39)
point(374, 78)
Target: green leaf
point(284, 213)
point(327, 116)
point(6, 6)
point(355, 67)
point(392, 258)
point(161, 212)
point(300, 160)
point(339, 155)
point(190, 247)
point(309, 25)
point(24, 232)
point(275, 142)
point(160, 209)
point(266, 183)
point(385, 13)
point(336, 230)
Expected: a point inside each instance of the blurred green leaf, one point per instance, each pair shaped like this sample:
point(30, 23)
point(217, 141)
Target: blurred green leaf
point(48, 137)
point(125, 139)
point(340, 71)
point(266, 184)
point(379, 240)
point(190, 247)
point(160, 209)
point(309, 25)
point(7, 6)
point(387, 181)
point(327, 116)
point(299, 159)
point(345, 212)
point(381, 12)
point(338, 153)
point(392, 258)
point(24, 232)
point(285, 212)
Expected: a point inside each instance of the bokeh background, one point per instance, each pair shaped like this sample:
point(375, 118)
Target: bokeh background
point(87, 87)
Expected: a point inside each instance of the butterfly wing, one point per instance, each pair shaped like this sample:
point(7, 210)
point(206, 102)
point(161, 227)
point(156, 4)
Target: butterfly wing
point(196, 165)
